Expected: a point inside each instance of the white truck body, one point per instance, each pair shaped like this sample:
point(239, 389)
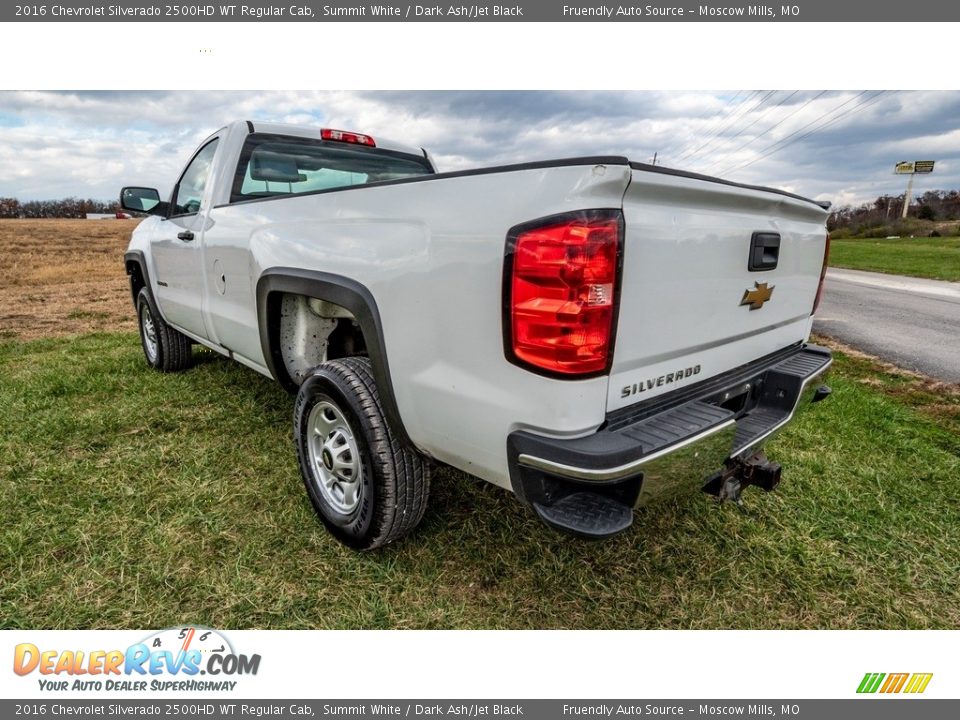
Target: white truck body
point(428, 253)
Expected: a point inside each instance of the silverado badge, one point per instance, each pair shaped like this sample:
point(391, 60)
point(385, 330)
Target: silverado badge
point(758, 296)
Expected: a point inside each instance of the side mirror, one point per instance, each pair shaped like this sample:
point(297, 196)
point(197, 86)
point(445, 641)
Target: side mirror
point(142, 200)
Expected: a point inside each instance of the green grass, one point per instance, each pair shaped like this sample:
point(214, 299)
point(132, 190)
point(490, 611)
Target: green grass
point(936, 258)
point(135, 499)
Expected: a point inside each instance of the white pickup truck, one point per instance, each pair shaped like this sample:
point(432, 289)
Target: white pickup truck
point(589, 333)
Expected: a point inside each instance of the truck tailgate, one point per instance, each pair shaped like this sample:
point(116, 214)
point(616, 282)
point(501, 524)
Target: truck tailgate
point(690, 306)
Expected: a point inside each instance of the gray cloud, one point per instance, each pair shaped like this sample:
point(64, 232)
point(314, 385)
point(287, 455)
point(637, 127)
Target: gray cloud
point(90, 143)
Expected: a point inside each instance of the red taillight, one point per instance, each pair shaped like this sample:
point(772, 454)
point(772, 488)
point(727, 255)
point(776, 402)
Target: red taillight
point(823, 274)
point(347, 137)
point(561, 285)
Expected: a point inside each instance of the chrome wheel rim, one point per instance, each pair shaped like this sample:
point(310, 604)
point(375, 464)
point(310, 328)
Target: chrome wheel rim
point(149, 334)
point(334, 457)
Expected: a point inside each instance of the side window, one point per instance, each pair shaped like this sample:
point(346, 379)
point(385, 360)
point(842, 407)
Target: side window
point(194, 180)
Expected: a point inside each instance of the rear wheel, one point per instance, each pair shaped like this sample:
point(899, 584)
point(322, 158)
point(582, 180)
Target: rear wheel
point(164, 348)
point(367, 487)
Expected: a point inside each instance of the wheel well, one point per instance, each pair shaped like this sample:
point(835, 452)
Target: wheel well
point(137, 281)
point(337, 290)
point(311, 331)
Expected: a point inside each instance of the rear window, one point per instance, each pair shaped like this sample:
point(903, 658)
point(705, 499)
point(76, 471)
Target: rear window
point(276, 165)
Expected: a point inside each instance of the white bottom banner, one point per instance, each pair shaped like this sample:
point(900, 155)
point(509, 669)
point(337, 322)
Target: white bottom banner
point(192, 661)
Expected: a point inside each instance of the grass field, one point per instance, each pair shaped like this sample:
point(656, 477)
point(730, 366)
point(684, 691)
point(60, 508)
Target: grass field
point(134, 499)
point(936, 258)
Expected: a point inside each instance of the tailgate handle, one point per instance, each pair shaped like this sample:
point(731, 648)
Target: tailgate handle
point(764, 251)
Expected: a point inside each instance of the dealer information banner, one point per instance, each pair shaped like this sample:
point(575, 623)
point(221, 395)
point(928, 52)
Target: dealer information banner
point(858, 11)
point(459, 708)
point(586, 675)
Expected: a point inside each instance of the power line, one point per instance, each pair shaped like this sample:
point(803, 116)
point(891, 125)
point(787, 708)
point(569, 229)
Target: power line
point(774, 127)
point(812, 122)
point(859, 106)
point(730, 123)
point(724, 116)
point(761, 115)
point(728, 105)
point(733, 122)
point(720, 116)
point(787, 141)
point(769, 130)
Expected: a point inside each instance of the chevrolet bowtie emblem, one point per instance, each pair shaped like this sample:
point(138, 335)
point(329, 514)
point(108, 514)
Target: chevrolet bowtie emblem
point(758, 296)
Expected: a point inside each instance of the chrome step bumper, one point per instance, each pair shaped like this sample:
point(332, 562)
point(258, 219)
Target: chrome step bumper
point(638, 456)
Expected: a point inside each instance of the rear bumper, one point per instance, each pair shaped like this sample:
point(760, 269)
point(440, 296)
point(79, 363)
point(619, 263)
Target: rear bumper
point(645, 451)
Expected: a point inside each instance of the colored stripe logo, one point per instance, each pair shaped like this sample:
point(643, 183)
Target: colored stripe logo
point(913, 683)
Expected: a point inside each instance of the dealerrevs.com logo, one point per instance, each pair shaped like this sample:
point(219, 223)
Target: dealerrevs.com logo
point(172, 659)
point(910, 683)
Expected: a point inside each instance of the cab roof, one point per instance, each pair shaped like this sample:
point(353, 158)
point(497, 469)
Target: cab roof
point(314, 132)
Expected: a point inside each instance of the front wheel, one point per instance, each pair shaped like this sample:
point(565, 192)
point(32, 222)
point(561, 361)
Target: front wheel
point(367, 487)
point(164, 348)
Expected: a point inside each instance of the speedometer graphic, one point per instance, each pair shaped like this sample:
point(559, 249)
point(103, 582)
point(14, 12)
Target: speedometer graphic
point(180, 640)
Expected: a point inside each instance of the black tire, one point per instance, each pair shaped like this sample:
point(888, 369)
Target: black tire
point(391, 493)
point(169, 350)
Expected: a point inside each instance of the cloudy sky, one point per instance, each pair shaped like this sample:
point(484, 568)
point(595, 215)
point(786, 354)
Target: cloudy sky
point(834, 145)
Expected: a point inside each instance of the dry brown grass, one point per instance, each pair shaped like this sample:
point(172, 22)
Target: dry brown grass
point(63, 277)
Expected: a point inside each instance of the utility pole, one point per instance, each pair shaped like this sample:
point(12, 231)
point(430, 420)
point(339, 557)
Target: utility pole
point(654, 161)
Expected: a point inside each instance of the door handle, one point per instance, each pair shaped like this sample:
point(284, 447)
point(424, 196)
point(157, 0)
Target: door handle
point(185, 235)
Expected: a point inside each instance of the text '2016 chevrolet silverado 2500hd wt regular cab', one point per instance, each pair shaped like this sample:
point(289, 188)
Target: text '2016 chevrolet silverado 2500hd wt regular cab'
point(588, 333)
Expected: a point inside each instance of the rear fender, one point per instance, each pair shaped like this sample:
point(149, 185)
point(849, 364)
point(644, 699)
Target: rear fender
point(339, 290)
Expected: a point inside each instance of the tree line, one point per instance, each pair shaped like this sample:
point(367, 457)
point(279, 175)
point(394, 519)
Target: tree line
point(886, 210)
point(63, 208)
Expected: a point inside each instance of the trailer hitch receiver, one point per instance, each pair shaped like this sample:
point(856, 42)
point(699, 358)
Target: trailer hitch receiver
point(738, 473)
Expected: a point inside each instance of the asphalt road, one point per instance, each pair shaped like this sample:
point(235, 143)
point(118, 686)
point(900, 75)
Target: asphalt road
point(910, 322)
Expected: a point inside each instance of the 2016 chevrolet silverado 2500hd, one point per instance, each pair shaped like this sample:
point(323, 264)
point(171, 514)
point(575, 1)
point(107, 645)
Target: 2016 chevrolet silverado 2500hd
point(588, 333)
